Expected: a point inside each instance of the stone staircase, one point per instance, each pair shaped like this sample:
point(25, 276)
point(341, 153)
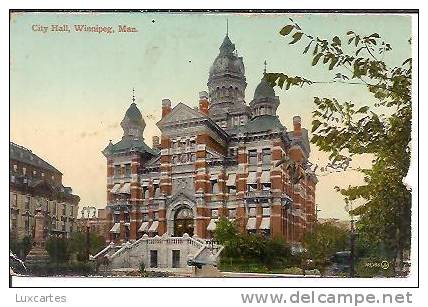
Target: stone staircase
point(132, 255)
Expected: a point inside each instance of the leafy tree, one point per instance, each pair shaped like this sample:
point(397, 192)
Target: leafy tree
point(63, 249)
point(58, 249)
point(252, 248)
point(78, 244)
point(325, 240)
point(381, 129)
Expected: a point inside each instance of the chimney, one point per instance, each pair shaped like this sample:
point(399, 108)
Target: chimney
point(155, 140)
point(297, 126)
point(166, 107)
point(203, 102)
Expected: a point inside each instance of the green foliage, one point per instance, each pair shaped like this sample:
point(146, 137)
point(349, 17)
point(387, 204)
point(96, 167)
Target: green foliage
point(382, 130)
point(142, 267)
point(58, 249)
point(325, 240)
point(21, 248)
point(63, 269)
point(63, 249)
point(78, 244)
point(259, 251)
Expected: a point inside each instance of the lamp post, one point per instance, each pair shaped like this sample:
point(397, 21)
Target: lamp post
point(86, 212)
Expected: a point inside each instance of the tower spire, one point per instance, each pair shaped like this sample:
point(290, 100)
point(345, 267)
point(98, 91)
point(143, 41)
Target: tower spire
point(227, 26)
point(133, 95)
point(264, 70)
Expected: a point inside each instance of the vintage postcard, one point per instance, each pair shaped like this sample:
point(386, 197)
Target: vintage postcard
point(275, 147)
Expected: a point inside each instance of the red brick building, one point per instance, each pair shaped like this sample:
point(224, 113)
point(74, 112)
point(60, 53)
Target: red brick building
point(220, 159)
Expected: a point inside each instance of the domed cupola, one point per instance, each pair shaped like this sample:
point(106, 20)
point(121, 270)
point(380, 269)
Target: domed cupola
point(226, 81)
point(133, 123)
point(265, 101)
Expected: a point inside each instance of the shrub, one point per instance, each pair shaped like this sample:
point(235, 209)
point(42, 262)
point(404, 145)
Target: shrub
point(292, 271)
point(252, 252)
point(62, 269)
point(142, 267)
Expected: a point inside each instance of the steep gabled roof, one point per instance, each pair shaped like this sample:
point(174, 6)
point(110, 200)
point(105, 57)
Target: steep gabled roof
point(180, 112)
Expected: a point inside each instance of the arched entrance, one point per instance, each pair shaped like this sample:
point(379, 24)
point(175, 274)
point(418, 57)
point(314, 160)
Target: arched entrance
point(183, 222)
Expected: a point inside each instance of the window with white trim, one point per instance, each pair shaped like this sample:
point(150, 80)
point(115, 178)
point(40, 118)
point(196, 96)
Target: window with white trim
point(252, 157)
point(266, 155)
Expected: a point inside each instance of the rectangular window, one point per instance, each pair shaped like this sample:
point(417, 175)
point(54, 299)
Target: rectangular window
point(27, 202)
point(252, 157)
point(232, 213)
point(128, 170)
point(214, 187)
point(175, 258)
point(24, 171)
point(127, 218)
point(156, 216)
point(15, 167)
point(64, 209)
point(266, 154)
point(116, 218)
point(71, 210)
point(252, 212)
point(266, 211)
point(117, 170)
point(153, 258)
point(145, 217)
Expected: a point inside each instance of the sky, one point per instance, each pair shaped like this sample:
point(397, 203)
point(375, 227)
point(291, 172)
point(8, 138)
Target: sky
point(70, 90)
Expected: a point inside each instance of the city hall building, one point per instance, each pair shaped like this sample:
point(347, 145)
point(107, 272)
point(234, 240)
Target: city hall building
point(221, 158)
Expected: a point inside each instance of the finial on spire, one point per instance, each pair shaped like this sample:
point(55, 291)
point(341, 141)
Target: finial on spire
point(264, 71)
point(133, 95)
point(227, 26)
